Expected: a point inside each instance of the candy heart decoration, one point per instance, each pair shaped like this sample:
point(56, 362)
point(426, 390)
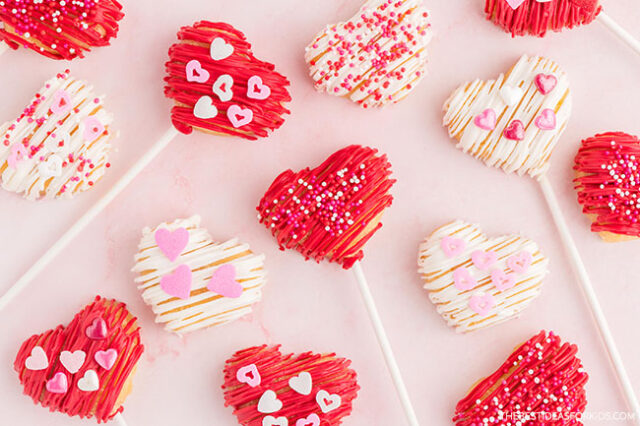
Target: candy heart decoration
point(452, 246)
point(541, 377)
point(302, 383)
point(536, 17)
point(93, 128)
point(178, 283)
point(45, 154)
point(489, 282)
point(394, 35)
point(513, 140)
point(37, 360)
point(274, 402)
point(545, 83)
point(249, 375)
point(511, 95)
point(226, 278)
point(171, 243)
point(344, 197)
point(73, 382)
point(59, 29)
point(97, 330)
point(608, 184)
point(249, 110)
point(106, 359)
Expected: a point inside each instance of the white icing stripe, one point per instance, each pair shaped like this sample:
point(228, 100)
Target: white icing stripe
point(530, 155)
point(203, 308)
point(436, 269)
point(26, 178)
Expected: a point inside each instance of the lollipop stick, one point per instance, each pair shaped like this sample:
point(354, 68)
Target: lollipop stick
point(383, 341)
point(119, 420)
point(623, 34)
point(591, 297)
point(82, 223)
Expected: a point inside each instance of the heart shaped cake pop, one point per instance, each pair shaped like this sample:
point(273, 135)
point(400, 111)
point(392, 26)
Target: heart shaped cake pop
point(59, 29)
point(542, 382)
point(266, 388)
point(475, 281)
point(219, 87)
point(515, 121)
point(608, 184)
point(330, 211)
point(84, 369)
point(536, 17)
point(375, 58)
point(59, 145)
point(192, 282)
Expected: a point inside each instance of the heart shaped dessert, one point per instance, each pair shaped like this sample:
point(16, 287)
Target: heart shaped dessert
point(219, 87)
point(192, 282)
point(375, 58)
point(542, 382)
point(330, 211)
point(608, 184)
point(476, 282)
point(59, 145)
point(515, 121)
point(59, 29)
point(266, 388)
point(84, 369)
point(536, 17)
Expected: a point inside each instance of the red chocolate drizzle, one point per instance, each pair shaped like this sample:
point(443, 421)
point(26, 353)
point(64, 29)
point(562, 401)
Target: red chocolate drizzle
point(608, 182)
point(324, 212)
point(59, 31)
point(123, 336)
point(328, 372)
point(241, 65)
point(536, 18)
point(542, 377)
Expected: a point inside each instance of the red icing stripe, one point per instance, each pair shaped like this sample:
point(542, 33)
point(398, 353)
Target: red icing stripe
point(328, 373)
point(325, 212)
point(194, 44)
point(608, 182)
point(60, 31)
point(536, 18)
point(122, 335)
point(541, 376)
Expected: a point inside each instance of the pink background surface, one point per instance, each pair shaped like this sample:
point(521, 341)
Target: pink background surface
point(308, 306)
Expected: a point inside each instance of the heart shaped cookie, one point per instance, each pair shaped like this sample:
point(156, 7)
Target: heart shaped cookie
point(219, 87)
point(475, 281)
point(192, 282)
point(516, 133)
point(59, 29)
point(536, 17)
point(608, 184)
point(59, 145)
point(542, 382)
point(266, 388)
point(330, 211)
point(84, 369)
point(375, 58)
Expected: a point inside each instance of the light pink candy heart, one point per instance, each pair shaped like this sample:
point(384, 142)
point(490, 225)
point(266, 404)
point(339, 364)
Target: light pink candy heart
point(545, 82)
point(239, 116)
point(195, 72)
point(61, 102)
point(93, 128)
point(481, 304)
point(178, 283)
point(97, 330)
point(37, 360)
point(502, 280)
point(452, 246)
point(223, 282)
point(106, 359)
point(72, 361)
point(546, 120)
point(172, 243)
point(515, 3)
point(519, 263)
point(18, 153)
point(486, 120)
point(484, 259)
point(514, 131)
point(462, 279)
point(58, 383)
point(256, 89)
point(311, 420)
point(249, 374)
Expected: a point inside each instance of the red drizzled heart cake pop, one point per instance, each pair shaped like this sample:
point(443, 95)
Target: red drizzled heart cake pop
point(219, 87)
point(330, 211)
point(266, 388)
point(59, 29)
point(536, 17)
point(608, 184)
point(84, 369)
point(541, 383)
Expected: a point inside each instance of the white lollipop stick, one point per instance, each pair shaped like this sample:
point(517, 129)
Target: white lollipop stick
point(623, 34)
point(383, 341)
point(119, 420)
point(591, 297)
point(86, 218)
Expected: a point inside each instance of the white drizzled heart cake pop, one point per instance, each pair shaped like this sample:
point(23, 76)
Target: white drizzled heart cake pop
point(515, 121)
point(192, 282)
point(59, 145)
point(476, 281)
point(375, 58)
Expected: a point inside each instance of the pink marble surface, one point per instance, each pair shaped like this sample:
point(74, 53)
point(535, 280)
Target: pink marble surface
point(309, 306)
